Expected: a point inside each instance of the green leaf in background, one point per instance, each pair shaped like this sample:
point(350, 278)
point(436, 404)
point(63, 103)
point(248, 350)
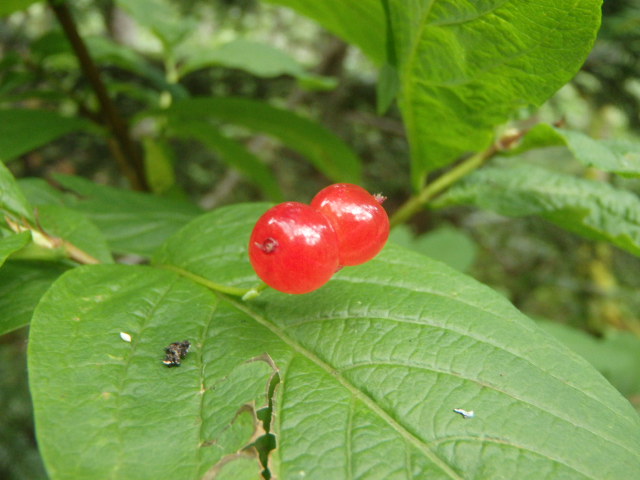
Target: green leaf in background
point(107, 52)
point(12, 243)
point(40, 192)
point(231, 152)
point(159, 17)
point(132, 222)
point(23, 130)
point(618, 156)
point(12, 200)
point(361, 23)
point(158, 165)
point(257, 58)
point(387, 88)
point(22, 284)
point(466, 67)
point(326, 151)
point(616, 356)
point(593, 209)
point(446, 244)
point(373, 366)
point(7, 7)
point(75, 228)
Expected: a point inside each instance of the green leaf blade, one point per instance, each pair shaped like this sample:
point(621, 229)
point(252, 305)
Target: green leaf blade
point(124, 404)
point(327, 152)
point(23, 130)
point(22, 284)
point(593, 209)
point(361, 23)
point(12, 200)
point(232, 153)
point(465, 68)
point(12, 244)
point(132, 222)
point(372, 367)
point(617, 156)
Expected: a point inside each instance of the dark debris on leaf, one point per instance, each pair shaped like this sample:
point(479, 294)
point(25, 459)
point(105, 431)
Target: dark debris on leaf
point(175, 352)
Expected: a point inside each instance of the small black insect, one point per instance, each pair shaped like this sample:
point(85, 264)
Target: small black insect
point(175, 352)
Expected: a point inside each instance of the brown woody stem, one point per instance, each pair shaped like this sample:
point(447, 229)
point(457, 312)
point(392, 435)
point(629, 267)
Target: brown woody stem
point(127, 153)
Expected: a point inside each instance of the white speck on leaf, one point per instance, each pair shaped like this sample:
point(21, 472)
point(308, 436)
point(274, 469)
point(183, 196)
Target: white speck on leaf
point(464, 413)
point(125, 336)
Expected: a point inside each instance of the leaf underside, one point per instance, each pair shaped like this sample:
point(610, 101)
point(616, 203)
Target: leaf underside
point(595, 210)
point(372, 367)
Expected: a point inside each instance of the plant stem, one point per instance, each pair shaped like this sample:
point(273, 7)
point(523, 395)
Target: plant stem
point(508, 140)
point(417, 202)
point(235, 291)
point(127, 153)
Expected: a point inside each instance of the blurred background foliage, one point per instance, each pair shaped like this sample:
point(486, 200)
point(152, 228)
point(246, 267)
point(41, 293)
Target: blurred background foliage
point(151, 54)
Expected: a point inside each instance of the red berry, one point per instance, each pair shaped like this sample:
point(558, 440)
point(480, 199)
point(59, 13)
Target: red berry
point(293, 248)
point(360, 222)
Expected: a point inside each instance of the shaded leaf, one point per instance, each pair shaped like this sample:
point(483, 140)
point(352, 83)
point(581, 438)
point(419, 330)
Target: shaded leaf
point(158, 165)
point(22, 284)
point(616, 355)
point(372, 367)
point(257, 58)
point(23, 130)
point(12, 243)
point(466, 67)
point(231, 152)
point(618, 156)
point(40, 192)
point(361, 23)
point(593, 209)
point(107, 52)
point(132, 222)
point(9, 6)
point(12, 200)
point(159, 17)
point(326, 151)
point(75, 228)
point(446, 244)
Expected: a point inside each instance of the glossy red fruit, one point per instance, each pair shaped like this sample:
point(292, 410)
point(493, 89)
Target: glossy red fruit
point(358, 218)
point(293, 248)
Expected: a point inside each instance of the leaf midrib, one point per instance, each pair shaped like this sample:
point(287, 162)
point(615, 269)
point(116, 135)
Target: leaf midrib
point(352, 389)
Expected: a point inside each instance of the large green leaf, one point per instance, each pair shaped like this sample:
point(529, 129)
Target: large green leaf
point(465, 67)
point(618, 156)
point(22, 284)
point(372, 367)
point(325, 150)
point(361, 23)
point(596, 210)
point(132, 222)
point(23, 130)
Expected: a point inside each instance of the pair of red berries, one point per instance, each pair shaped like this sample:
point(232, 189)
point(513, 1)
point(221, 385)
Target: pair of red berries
point(296, 248)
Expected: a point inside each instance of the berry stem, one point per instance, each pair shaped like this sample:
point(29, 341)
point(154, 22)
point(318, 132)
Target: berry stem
point(217, 287)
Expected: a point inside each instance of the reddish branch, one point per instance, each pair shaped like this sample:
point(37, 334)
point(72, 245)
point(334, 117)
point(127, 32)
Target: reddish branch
point(126, 151)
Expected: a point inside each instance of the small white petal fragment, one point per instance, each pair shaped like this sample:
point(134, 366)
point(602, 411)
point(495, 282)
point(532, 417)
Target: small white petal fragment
point(464, 413)
point(125, 336)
